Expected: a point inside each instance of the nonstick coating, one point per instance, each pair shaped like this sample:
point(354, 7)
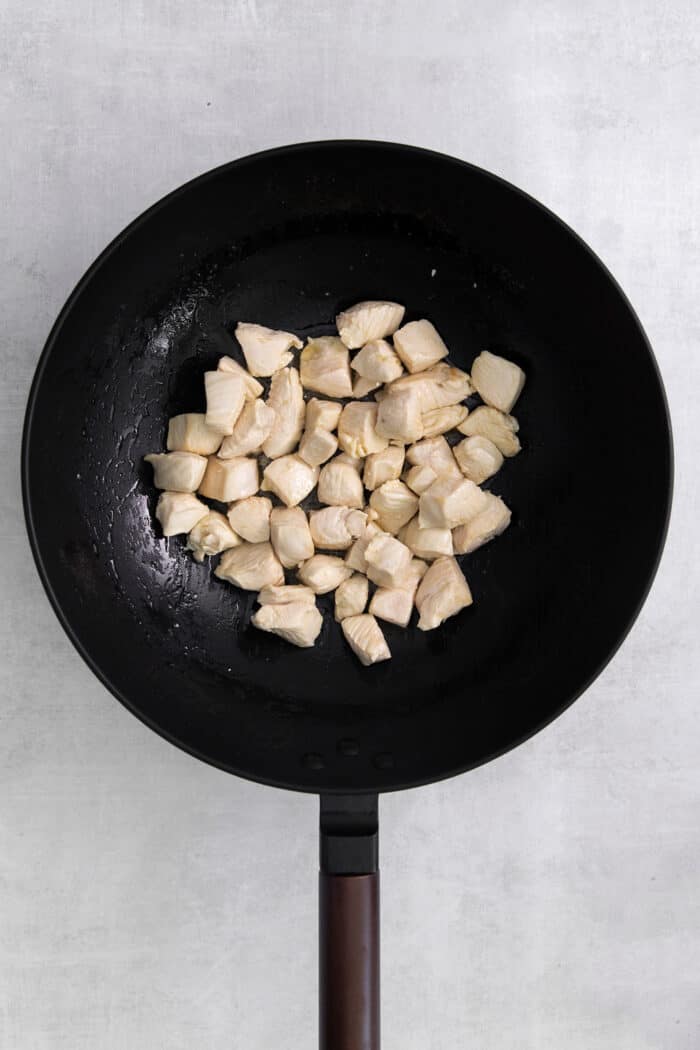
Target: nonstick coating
point(286, 238)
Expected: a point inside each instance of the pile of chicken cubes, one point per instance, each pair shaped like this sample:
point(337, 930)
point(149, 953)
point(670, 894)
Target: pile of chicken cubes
point(395, 500)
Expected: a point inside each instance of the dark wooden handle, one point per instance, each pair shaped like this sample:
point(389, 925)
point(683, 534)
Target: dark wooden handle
point(349, 962)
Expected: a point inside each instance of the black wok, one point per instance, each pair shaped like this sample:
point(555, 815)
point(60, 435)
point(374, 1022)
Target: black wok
point(287, 238)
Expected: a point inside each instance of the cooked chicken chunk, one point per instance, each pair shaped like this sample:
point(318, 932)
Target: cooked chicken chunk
point(395, 604)
point(440, 420)
point(340, 485)
point(297, 622)
point(230, 479)
point(252, 428)
point(290, 478)
point(265, 350)
point(250, 566)
point(322, 415)
point(395, 504)
point(285, 593)
point(442, 593)
point(383, 466)
point(419, 345)
point(399, 417)
point(336, 528)
point(351, 596)
point(250, 518)
point(317, 446)
point(437, 387)
point(378, 362)
point(387, 560)
point(325, 366)
point(448, 503)
point(189, 433)
point(225, 393)
point(323, 573)
point(368, 321)
point(427, 543)
point(478, 458)
point(287, 402)
point(177, 471)
point(290, 536)
point(499, 428)
point(419, 478)
point(361, 387)
point(211, 535)
point(253, 389)
point(357, 434)
point(435, 453)
point(355, 558)
point(488, 523)
point(179, 512)
point(364, 636)
point(498, 381)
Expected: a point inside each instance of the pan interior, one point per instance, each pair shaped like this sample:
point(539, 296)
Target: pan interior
point(287, 239)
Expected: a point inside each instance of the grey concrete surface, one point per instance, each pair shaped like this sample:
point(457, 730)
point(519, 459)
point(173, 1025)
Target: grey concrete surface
point(547, 900)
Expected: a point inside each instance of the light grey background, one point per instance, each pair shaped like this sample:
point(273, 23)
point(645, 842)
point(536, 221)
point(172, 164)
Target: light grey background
point(547, 900)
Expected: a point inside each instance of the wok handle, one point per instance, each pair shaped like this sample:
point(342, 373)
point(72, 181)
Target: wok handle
point(349, 924)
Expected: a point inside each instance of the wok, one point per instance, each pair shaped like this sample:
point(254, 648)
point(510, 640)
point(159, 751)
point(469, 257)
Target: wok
point(287, 238)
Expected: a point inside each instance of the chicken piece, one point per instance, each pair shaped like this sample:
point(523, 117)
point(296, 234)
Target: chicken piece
point(286, 399)
point(419, 478)
point(399, 417)
point(252, 427)
point(498, 382)
point(442, 593)
point(355, 558)
point(419, 345)
point(225, 393)
point(378, 362)
point(395, 604)
point(317, 446)
point(322, 415)
point(250, 566)
point(440, 420)
point(211, 535)
point(177, 471)
point(250, 518)
point(437, 387)
point(387, 560)
point(290, 478)
point(364, 636)
point(383, 466)
point(286, 593)
point(488, 523)
point(290, 536)
point(323, 573)
point(340, 485)
point(361, 387)
point(478, 458)
point(448, 503)
point(367, 321)
point(179, 512)
point(395, 504)
point(427, 543)
point(435, 453)
point(351, 596)
point(189, 433)
point(265, 350)
point(297, 622)
point(325, 366)
point(499, 428)
point(253, 389)
point(336, 528)
point(230, 479)
point(357, 434)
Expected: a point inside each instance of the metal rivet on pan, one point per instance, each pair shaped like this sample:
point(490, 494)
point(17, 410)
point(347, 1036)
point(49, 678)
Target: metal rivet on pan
point(384, 760)
point(312, 760)
point(348, 747)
